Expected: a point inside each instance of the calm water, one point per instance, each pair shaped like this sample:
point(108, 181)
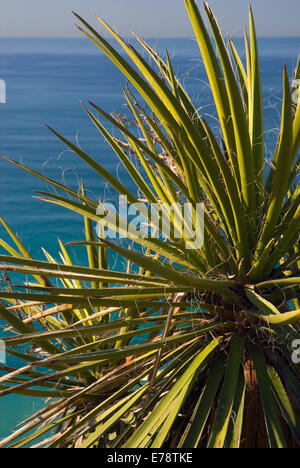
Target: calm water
point(46, 80)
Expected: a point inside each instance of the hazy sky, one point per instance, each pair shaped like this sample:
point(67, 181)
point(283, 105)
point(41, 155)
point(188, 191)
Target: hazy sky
point(151, 18)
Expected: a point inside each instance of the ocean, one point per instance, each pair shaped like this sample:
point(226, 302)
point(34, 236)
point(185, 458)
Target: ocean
point(46, 80)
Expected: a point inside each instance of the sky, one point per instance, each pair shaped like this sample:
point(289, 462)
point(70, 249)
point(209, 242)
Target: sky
point(149, 18)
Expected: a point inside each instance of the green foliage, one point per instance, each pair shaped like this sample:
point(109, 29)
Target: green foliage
point(187, 348)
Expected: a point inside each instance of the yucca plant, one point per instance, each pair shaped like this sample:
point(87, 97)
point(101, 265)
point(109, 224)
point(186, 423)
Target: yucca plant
point(189, 347)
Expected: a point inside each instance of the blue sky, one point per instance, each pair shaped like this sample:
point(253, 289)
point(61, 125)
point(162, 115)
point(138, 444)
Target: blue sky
point(151, 18)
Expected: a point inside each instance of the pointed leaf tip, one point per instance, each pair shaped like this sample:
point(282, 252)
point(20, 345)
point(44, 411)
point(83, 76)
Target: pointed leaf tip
point(80, 28)
point(76, 14)
point(207, 7)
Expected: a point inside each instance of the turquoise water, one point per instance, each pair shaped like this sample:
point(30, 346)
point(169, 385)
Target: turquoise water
point(46, 80)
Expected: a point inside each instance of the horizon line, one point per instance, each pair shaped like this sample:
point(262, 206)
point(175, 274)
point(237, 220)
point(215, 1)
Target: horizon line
point(146, 37)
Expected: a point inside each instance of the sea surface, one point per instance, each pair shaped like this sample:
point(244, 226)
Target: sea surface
point(46, 80)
